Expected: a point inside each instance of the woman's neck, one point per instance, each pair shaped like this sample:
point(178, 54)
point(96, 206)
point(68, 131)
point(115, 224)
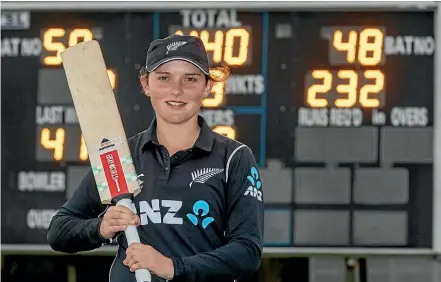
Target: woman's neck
point(177, 137)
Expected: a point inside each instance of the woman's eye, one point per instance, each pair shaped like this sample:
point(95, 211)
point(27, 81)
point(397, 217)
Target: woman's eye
point(192, 79)
point(162, 78)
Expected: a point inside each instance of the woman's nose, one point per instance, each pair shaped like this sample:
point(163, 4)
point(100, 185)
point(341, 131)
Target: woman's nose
point(176, 89)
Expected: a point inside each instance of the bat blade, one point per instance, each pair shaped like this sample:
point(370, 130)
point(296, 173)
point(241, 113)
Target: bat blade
point(100, 121)
point(103, 131)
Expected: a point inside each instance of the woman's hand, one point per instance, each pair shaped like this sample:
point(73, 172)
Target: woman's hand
point(116, 219)
point(140, 256)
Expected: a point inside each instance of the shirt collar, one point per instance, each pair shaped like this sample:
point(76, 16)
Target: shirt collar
point(205, 140)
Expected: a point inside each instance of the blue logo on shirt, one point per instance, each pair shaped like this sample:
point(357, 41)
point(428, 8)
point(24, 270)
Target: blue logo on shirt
point(200, 210)
point(254, 178)
point(254, 189)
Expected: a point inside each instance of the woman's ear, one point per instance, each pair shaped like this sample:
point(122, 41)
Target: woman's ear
point(208, 88)
point(145, 84)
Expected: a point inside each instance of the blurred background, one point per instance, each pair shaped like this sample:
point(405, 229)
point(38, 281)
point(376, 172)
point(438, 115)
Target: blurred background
point(338, 101)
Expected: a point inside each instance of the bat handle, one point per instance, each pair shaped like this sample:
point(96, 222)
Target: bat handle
point(142, 275)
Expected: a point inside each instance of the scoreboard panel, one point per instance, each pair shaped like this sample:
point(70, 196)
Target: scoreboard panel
point(337, 107)
point(42, 143)
point(356, 121)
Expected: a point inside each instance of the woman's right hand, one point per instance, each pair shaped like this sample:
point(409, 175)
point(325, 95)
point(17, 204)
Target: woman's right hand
point(116, 220)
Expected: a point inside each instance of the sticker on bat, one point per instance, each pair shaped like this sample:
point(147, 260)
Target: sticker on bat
point(106, 143)
point(113, 170)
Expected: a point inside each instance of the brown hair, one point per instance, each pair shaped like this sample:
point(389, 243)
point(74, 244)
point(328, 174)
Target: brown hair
point(219, 73)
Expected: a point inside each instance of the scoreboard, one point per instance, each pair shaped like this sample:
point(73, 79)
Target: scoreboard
point(356, 123)
point(338, 108)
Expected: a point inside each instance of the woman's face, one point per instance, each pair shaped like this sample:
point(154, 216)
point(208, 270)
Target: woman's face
point(176, 90)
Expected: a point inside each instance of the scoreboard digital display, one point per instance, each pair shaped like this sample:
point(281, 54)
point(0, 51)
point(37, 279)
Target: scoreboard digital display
point(337, 107)
point(346, 88)
point(350, 119)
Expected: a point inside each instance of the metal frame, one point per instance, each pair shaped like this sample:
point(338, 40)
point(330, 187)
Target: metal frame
point(274, 6)
point(436, 225)
point(248, 5)
point(267, 252)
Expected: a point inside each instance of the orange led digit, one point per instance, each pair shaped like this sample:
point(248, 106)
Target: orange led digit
point(83, 150)
point(56, 144)
point(312, 99)
point(350, 88)
point(226, 130)
point(370, 53)
point(216, 46)
point(50, 45)
point(372, 89)
point(218, 91)
point(76, 34)
point(244, 41)
point(350, 47)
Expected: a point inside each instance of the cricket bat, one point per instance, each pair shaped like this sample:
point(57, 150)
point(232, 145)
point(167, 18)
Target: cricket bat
point(103, 131)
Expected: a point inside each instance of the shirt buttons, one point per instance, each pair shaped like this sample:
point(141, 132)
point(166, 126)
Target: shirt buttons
point(166, 168)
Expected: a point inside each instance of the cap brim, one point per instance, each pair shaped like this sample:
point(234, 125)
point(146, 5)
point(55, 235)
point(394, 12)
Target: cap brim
point(165, 60)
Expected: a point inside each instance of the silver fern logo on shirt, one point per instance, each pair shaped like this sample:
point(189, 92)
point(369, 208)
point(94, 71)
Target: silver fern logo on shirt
point(203, 174)
point(175, 45)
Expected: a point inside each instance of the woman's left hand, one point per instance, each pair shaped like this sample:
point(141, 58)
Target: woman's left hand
point(140, 256)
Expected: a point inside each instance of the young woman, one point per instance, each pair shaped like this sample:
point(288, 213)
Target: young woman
point(200, 214)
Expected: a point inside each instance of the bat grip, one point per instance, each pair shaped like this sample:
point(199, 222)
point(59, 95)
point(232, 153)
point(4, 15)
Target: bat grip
point(142, 275)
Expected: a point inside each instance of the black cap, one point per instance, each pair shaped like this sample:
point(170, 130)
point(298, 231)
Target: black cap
point(177, 47)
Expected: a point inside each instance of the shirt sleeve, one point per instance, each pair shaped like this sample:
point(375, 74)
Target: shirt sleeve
point(75, 226)
point(241, 255)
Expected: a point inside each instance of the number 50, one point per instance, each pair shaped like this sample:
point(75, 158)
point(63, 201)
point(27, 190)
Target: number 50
point(351, 89)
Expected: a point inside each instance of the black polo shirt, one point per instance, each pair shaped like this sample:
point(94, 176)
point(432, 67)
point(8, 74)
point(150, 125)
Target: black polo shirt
point(203, 207)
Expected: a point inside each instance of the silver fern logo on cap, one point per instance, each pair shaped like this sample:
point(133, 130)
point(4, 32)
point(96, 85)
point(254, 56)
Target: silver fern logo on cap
point(203, 174)
point(175, 45)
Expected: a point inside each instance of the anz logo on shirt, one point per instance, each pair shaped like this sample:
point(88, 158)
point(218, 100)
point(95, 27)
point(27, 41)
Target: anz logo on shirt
point(254, 189)
point(152, 213)
point(200, 214)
